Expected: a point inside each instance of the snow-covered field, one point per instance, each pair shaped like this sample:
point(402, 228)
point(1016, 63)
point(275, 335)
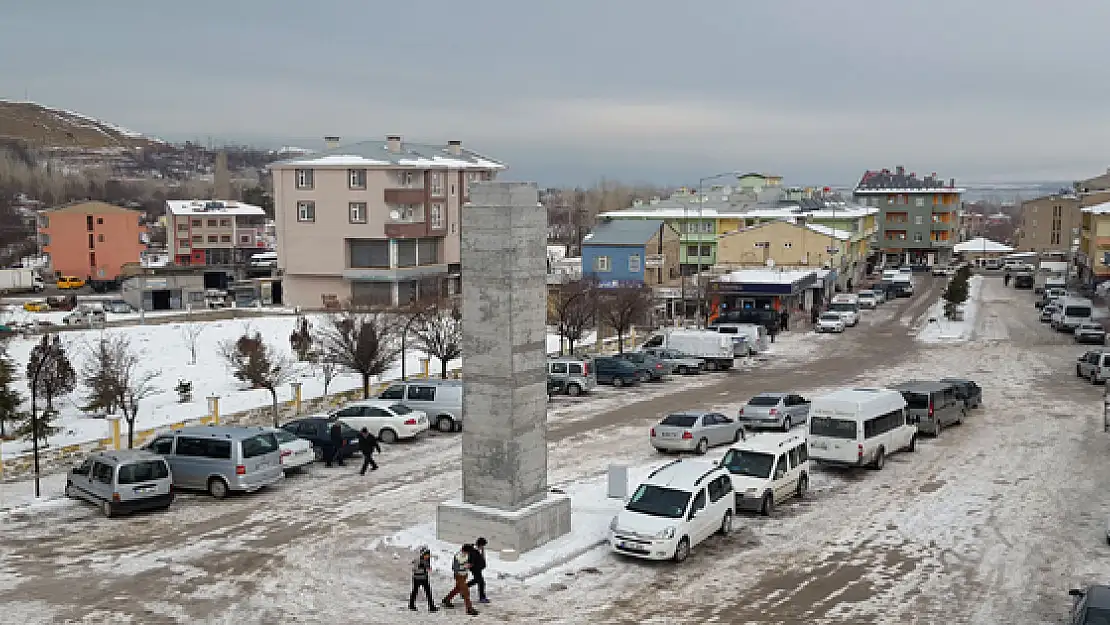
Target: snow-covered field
point(938, 329)
point(166, 350)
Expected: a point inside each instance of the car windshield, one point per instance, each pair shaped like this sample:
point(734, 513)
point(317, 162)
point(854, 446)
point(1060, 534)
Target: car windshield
point(765, 400)
point(842, 307)
point(1077, 311)
point(284, 437)
point(679, 420)
point(916, 401)
point(659, 501)
point(830, 317)
point(400, 409)
point(1096, 616)
point(832, 428)
point(749, 463)
point(728, 330)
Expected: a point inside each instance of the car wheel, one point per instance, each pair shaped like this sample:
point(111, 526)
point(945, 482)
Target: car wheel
point(445, 424)
point(726, 524)
point(912, 446)
point(108, 509)
point(703, 446)
point(880, 460)
point(1078, 372)
point(618, 382)
point(939, 429)
point(767, 506)
point(682, 551)
point(803, 486)
point(217, 488)
point(574, 390)
point(387, 436)
point(786, 424)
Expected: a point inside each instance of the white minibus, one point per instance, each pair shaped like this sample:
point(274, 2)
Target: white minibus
point(859, 427)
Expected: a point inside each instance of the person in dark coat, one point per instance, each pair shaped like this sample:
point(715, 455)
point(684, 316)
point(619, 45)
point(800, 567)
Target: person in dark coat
point(477, 565)
point(460, 567)
point(367, 445)
point(336, 435)
point(784, 318)
point(421, 567)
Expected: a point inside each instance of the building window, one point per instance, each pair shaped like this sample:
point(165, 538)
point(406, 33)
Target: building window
point(45, 239)
point(763, 244)
point(918, 219)
point(917, 237)
point(601, 264)
point(225, 223)
point(405, 178)
point(634, 263)
point(198, 239)
point(452, 189)
point(245, 239)
point(225, 238)
point(919, 201)
point(706, 251)
point(92, 241)
point(368, 253)
point(787, 244)
point(183, 243)
point(92, 259)
point(437, 216)
point(306, 211)
point(437, 183)
point(182, 227)
point(213, 238)
point(89, 222)
point(213, 223)
point(356, 178)
point(356, 212)
point(427, 252)
point(100, 221)
point(305, 179)
point(197, 223)
point(707, 227)
point(406, 252)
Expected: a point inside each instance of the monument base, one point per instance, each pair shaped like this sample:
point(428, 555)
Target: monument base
point(520, 530)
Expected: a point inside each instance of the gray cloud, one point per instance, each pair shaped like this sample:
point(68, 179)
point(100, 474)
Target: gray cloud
point(574, 90)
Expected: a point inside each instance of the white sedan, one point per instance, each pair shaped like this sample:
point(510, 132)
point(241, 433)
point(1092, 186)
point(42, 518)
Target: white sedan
point(296, 453)
point(830, 322)
point(386, 419)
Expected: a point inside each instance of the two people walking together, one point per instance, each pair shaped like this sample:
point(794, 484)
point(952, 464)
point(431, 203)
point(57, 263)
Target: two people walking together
point(367, 446)
point(469, 561)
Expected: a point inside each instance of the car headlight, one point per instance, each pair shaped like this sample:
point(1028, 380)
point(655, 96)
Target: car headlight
point(666, 533)
point(752, 490)
point(613, 525)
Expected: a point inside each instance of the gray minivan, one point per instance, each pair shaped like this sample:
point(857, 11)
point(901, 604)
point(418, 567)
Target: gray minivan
point(441, 400)
point(220, 459)
point(122, 481)
point(933, 406)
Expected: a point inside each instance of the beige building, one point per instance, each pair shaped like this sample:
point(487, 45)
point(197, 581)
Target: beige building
point(786, 244)
point(376, 223)
point(214, 233)
point(1049, 224)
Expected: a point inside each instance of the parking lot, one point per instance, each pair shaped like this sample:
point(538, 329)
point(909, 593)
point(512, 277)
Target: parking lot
point(997, 518)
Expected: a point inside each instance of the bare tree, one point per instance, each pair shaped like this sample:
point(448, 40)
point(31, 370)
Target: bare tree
point(115, 377)
point(438, 331)
point(573, 311)
point(259, 364)
point(328, 369)
point(621, 308)
point(190, 332)
point(365, 343)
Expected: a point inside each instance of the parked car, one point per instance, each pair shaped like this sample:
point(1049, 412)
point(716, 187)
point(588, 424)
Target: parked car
point(966, 390)
point(122, 481)
point(1090, 605)
point(386, 419)
point(1094, 366)
point(778, 410)
point(317, 431)
point(932, 406)
point(830, 322)
point(767, 470)
point(36, 306)
point(1023, 281)
point(85, 317)
point(70, 282)
point(942, 270)
point(847, 305)
point(679, 362)
point(695, 431)
point(1047, 312)
point(556, 387)
point(657, 368)
point(296, 452)
point(867, 299)
point(578, 375)
point(220, 459)
point(1090, 332)
point(676, 508)
point(859, 427)
point(617, 372)
point(117, 306)
point(441, 401)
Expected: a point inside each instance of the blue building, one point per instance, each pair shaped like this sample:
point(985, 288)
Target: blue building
point(631, 252)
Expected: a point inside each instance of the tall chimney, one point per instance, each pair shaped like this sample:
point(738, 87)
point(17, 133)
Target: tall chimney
point(221, 178)
point(901, 171)
point(952, 183)
point(331, 142)
point(393, 142)
point(454, 147)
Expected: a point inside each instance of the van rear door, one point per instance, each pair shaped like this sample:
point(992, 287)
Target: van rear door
point(833, 439)
point(261, 457)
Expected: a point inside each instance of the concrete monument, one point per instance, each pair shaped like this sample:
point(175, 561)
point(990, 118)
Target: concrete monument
point(505, 495)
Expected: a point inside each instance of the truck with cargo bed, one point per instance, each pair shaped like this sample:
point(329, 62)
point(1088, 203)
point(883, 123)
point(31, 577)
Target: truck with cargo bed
point(715, 348)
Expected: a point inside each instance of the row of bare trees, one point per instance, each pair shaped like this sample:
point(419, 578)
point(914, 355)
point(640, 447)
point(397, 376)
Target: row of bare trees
point(584, 305)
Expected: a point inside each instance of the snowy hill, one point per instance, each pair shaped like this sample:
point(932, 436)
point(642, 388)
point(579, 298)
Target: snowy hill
point(48, 127)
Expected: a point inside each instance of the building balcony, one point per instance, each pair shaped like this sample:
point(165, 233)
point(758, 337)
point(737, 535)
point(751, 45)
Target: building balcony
point(406, 221)
point(403, 195)
point(393, 274)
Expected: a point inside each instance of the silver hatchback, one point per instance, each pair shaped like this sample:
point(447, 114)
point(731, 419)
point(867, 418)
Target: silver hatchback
point(775, 410)
point(695, 431)
point(123, 481)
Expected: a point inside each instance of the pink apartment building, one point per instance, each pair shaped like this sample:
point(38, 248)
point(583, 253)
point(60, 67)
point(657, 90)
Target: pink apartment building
point(375, 222)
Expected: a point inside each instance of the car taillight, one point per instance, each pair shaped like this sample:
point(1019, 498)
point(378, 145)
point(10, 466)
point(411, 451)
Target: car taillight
point(286, 452)
point(653, 432)
point(410, 421)
point(773, 411)
point(860, 446)
point(241, 469)
point(658, 365)
point(115, 497)
point(585, 369)
point(687, 436)
point(930, 409)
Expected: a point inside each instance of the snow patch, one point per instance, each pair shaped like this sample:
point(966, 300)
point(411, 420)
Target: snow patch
point(938, 329)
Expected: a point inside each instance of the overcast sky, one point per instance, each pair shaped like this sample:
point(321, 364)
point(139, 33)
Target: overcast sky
point(568, 91)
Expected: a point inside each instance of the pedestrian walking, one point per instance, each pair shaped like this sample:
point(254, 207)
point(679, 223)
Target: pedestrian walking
point(477, 565)
point(784, 318)
point(1006, 279)
point(421, 567)
point(460, 566)
point(336, 435)
point(367, 445)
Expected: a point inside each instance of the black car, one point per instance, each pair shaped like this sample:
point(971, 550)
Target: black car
point(618, 372)
point(657, 370)
point(1023, 281)
point(966, 390)
point(1091, 605)
point(317, 430)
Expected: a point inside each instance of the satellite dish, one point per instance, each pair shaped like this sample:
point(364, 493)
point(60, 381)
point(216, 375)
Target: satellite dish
point(770, 262)
point(395, 214)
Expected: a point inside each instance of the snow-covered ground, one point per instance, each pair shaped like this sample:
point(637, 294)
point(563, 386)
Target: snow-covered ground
point(939, 329)
point(166, 350)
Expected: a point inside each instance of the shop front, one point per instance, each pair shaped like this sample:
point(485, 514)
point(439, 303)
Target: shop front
point(748, 290)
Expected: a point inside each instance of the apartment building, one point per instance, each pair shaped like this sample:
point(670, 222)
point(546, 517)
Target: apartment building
point(1049, 224)
point(90, 240)
point(214, 233)
point(918, 217)
point(375, 223)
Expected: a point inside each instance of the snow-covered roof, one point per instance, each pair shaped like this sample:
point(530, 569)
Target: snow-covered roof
point(1098, 209)
point(766, 276)
point(840, 211)
point(909, 190)
point(980, 244)
point(213, 207)
point(390, 154)
point(830, 232)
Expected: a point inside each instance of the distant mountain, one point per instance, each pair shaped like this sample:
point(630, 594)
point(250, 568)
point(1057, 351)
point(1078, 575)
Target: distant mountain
point(46, 127)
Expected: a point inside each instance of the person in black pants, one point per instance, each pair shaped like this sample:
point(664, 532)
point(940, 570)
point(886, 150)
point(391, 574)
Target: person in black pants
point(368, 444)
point(477, 565)
point(420, 569)
point(336, 452)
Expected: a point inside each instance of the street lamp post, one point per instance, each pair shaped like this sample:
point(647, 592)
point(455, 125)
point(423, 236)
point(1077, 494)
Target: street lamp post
point(701, 183)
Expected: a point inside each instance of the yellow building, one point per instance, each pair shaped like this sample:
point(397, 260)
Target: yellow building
point(1094, 242)
point(785, 244)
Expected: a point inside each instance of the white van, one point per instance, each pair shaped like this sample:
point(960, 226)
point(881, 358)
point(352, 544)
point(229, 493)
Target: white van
point(859, 427)
point(755, 336)
point(847, 305)
point(768, 469)
point(1072, 312)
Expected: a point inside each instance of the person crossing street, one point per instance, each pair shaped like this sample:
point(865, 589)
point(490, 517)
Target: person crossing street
point(367, 445)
